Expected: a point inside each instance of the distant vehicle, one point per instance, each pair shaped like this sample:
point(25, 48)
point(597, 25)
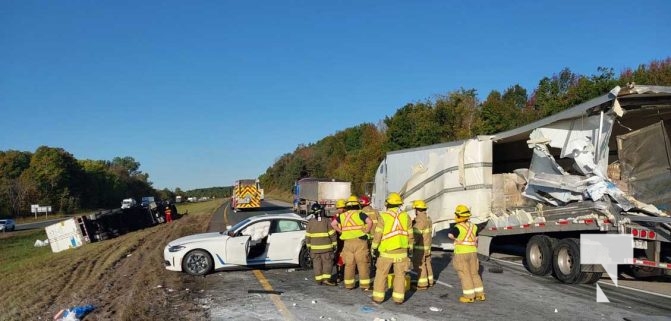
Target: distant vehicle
point(326, 192)
point(178, 199)
point(128, 203)
point(7, 225)
point(192, 199)
point(262, 240)
point(147, 200)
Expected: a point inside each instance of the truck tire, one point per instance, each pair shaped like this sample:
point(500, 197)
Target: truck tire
point(538, 258)
point(197, 262)
point(591, 277)
point(566, 261)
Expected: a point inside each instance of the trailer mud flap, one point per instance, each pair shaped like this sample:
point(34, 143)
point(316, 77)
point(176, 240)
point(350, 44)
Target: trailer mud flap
point(483, 245)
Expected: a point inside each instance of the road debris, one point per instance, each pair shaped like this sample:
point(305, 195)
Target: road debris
point(74, 313)
point(268, 292)
point(435, 309)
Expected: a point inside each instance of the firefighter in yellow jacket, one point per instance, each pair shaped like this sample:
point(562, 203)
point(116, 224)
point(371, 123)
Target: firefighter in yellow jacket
point(421, 258)
point(370, 211)
point(320, 239)
point(353, 226)
point(392, 244)
point(465, 261)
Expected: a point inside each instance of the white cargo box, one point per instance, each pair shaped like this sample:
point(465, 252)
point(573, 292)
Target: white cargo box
point(64, 235)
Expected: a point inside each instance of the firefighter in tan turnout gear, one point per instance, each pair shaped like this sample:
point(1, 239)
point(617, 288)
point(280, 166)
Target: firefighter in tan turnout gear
point(392, 244)
point(353, 226)
point(421, 258)
point(320, 239)
point(465, 259)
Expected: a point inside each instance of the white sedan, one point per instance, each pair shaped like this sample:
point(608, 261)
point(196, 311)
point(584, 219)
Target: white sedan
point(263, 240)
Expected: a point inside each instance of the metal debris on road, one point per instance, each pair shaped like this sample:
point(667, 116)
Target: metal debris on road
point(265, 292)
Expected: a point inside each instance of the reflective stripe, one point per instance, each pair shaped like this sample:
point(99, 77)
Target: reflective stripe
point(364, 282)
point(394, 233)
point(396, 295)
point(321, 247)
point(479, 290)
point(377, 294)
point(423, 280)
point(424, 231)
point(379, 229)
point(393, 256)
point(467, 292)
point(422, 247)
point(321, 234)
point(374, 246)
point(349, 282)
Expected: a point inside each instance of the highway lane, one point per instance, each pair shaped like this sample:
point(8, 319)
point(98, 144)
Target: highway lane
point(290, 294)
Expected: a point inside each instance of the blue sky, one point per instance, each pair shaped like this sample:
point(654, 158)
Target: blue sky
point(204, 93)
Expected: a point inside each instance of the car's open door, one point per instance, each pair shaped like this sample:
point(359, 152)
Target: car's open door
point(237, 249)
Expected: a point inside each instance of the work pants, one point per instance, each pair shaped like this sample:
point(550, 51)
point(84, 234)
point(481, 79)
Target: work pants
point(467, 266)
point(322, 264)
point(401, 265)
point(357, 257)
point(421, 263)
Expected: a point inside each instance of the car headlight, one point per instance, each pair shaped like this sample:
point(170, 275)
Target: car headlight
point(176, 248)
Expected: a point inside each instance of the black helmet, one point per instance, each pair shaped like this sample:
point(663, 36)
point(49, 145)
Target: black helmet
point(315, 208)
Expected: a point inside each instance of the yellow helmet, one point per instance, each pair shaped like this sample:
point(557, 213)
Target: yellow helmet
point(340, 203)
point(462, 211)
point(394, 199)
point(419, 204)
point(352, 201)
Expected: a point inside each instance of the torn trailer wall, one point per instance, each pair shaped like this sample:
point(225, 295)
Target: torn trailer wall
point(558, 165)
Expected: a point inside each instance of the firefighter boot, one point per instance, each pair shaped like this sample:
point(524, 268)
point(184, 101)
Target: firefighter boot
point(480, 296)
point(328, 282)
point(464, 299)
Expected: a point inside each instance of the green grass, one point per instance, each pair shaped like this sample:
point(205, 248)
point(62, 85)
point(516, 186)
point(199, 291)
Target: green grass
point(19, 250)
point(199, 208)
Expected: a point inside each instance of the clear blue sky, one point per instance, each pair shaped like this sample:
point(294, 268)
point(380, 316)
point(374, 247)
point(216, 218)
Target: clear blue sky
point(204, 93)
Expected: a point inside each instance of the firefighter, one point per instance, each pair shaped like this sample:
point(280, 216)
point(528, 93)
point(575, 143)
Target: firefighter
point(465, 261)
point(392, 244)
point(168, 214)
point(320, 239)
point(421, 257)
point(370, 211)
point(354, 225)
point(373, 214)
point(339, 263)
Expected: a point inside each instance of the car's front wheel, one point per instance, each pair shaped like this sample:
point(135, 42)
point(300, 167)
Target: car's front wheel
point(304, 258)
point(197, 262)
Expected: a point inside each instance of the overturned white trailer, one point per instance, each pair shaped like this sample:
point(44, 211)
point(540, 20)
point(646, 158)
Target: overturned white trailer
point(603, 166)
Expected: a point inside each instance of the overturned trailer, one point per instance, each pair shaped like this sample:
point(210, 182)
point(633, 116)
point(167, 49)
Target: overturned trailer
point(603, 166)
point(102, 225)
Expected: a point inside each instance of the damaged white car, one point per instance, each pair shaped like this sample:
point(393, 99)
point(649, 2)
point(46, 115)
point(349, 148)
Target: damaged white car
point(259, 241)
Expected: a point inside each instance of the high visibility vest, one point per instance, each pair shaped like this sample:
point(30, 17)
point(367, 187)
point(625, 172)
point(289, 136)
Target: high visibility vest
point(395, 230)
point(351, 224)
point(465, 242)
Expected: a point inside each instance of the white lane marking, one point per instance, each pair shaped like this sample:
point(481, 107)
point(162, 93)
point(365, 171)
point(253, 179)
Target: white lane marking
point(603, 282)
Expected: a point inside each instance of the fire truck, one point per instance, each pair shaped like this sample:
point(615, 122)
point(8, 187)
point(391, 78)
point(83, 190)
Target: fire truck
point(247, 194)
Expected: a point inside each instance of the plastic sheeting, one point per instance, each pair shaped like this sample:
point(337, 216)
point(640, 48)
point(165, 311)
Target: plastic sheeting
point(645, 155)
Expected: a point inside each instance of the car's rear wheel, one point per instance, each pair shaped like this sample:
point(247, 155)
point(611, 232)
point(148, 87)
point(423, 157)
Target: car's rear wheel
point(197, 262)
point(304, 258)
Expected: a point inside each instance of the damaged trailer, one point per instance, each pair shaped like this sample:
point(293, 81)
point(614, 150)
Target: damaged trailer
point(603, 166)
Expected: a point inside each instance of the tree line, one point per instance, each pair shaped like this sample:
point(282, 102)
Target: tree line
point(353, 154)
point(53, 177)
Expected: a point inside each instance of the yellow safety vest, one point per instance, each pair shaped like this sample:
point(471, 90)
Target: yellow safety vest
point(351, 224)
point(373, 217)
point(395, 231)
point(465, 242)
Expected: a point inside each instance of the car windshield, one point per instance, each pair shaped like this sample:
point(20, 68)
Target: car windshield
point(238, 225)
point(3, 221)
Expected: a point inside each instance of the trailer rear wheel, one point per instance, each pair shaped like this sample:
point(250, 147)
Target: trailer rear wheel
point(538, 258)
point(591, 277)
point(566, 261)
